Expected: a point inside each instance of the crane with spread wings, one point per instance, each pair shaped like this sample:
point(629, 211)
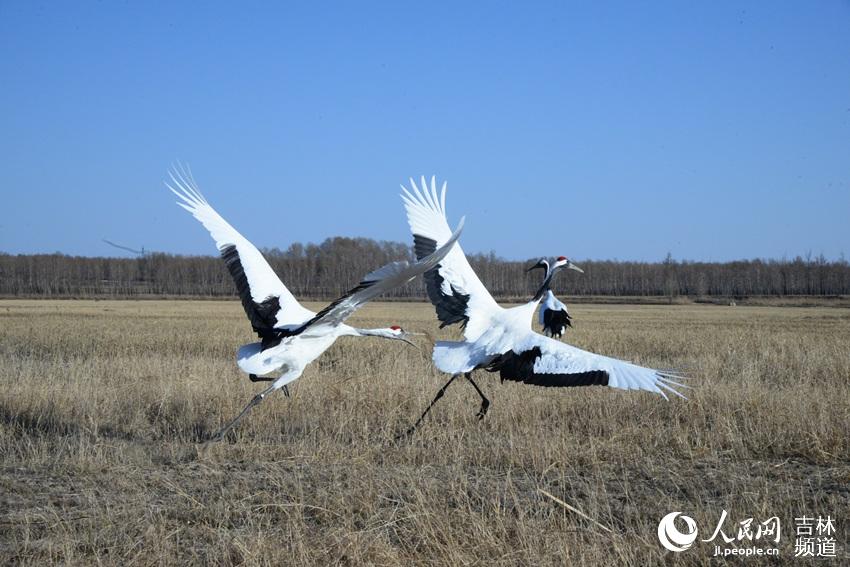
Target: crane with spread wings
point(291, 336)
point(500, 339)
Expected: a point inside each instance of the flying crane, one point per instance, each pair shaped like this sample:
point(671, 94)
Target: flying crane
point(291, 336)
point(497, 339)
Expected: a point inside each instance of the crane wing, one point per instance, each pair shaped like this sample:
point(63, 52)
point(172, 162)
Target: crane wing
point(267, 302)
point(377, 282)
point(453, 287)
point(542, 361)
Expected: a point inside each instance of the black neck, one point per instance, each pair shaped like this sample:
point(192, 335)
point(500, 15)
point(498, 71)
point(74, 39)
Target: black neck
point(544, 287)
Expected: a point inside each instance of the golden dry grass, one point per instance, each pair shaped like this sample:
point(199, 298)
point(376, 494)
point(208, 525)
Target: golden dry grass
point(103, 407)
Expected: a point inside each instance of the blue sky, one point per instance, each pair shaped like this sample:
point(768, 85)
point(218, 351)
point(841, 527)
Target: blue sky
point(714, 131)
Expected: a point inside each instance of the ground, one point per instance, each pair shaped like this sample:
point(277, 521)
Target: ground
point(105, 407)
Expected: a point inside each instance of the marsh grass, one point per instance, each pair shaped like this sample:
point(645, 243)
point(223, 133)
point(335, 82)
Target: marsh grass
point(104, 407)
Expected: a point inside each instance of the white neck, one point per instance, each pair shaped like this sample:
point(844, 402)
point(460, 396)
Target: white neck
point(345, 330)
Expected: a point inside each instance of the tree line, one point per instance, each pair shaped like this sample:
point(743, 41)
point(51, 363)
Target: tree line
point(325, 271)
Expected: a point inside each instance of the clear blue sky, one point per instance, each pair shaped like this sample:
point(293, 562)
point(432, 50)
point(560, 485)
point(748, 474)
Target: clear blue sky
point(715, 131)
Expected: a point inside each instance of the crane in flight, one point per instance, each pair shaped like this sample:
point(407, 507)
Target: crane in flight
point(291, 336)
point(497, 339)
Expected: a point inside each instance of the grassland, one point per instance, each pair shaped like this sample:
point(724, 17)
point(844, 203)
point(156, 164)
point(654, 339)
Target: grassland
point(104, 407)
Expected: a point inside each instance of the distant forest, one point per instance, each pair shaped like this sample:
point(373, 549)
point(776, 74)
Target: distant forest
point(325, 271)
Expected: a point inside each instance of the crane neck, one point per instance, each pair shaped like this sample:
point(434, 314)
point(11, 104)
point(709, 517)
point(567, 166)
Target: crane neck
point(357, 332)
point(544, 287)
point(348, 331)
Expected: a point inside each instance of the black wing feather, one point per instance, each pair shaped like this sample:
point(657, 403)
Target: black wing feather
point(519, 367)
point(263, 316)
point(451, 309)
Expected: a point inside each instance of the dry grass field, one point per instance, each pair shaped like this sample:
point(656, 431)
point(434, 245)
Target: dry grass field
point(104, 407)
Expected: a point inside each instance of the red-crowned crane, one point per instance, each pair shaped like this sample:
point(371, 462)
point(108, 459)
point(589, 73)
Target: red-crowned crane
point(554, 316)
point(291, 336)
point(498, 339)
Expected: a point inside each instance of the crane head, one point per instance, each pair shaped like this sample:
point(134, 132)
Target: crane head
point(397, 333)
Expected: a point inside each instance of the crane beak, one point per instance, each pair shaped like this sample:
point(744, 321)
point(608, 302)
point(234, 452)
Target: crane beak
point(405, 339)
point(572, 266)
point(540, 265)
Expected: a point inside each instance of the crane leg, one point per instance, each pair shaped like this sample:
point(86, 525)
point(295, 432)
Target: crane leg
point(254, 401)
point(434, 401)
point(485, 403)
point(255, 378)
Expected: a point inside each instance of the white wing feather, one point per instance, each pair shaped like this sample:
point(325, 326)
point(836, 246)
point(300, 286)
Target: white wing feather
point(383, 279)
point(560, 358)
point(426, 215)
point(262, 279)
